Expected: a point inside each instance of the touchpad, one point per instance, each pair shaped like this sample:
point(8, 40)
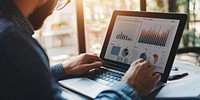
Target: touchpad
point(86, 85)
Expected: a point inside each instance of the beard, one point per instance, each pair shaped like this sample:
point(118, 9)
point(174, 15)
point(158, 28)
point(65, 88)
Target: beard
point(38, 16)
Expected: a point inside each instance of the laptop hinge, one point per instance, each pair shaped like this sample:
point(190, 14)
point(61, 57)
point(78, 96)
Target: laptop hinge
point(116, 66)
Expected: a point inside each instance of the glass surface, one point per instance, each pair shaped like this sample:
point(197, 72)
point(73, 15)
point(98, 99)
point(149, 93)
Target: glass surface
point(61, 4)
point(191, 34)
point(58, 35)
point(97, 17)
point(167, 5)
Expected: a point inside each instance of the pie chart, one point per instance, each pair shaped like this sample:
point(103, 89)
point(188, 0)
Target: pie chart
point(143, 56)
point(155, 56)
point(125, 52)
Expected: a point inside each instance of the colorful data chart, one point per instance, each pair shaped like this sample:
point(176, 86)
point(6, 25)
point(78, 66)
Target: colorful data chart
point(123, 37)
point(143, 56)
point(154, 36)
point(125, 52)
point(115, 50)
point(155, 56)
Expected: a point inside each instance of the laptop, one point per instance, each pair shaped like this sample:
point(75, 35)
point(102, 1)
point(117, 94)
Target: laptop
point(132, 35)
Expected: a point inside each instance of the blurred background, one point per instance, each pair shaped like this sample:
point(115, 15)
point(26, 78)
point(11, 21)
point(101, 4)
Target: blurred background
point(82, 25)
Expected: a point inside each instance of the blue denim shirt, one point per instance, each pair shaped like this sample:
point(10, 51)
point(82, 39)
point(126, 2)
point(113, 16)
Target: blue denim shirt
point(25, 73)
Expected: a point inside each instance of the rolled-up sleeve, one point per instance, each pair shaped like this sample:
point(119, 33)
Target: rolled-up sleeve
point(58, 72)
point(119, 91)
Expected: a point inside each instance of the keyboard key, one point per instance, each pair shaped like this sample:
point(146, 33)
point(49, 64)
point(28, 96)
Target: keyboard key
point(115, 78)
point(110, 80)
point(106, 75)
point(115, 81)
point(104, 78)
point(111, 77)
point(118, 79)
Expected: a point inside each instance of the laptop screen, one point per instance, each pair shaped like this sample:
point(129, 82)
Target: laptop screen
point(135, 37)
point(152, 36)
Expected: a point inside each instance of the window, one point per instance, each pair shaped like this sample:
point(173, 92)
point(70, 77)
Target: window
point(192, 7)
point(97, 16)
point(58, 35)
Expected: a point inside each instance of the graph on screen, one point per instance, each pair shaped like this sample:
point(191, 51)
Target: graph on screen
point(156, 35)
point(123, 37)
point(115, 50)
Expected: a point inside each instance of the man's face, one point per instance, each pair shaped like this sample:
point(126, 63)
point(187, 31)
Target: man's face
point(41, 13)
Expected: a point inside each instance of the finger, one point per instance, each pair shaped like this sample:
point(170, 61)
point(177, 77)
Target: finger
point(91, 54)
point(156, 78)
point(92, 65)
point(90, 57)
point(138, 61)
point(96, 64)
point(99, 59)
point(96, 58)
point(151, 70)
point(95, 54)
point(133, 66)
point(139, 67)
point(144, 65)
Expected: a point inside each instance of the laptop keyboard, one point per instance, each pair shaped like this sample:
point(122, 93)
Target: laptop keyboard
point(105, 76)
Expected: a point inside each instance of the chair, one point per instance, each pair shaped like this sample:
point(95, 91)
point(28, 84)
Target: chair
point(189, 49)
point(195, 50)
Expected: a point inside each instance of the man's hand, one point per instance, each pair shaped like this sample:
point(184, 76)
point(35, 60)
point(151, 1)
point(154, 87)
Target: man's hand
point(142, 77)
point(82, 64)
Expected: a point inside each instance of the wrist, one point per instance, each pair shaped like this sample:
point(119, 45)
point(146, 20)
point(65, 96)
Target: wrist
point(139, 88)
point(58, 71)
point(133, 84)
point(67, 68)
point(127, 89)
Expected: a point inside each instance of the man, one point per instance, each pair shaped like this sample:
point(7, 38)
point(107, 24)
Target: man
point(25, 72)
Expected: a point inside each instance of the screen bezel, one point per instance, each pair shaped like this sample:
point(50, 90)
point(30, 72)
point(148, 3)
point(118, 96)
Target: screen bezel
point(124, 67)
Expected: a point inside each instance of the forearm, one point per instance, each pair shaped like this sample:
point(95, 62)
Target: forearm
point(119, 91)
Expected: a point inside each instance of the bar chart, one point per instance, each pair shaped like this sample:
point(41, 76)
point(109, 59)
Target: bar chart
point(156, 35)
point(123, 37)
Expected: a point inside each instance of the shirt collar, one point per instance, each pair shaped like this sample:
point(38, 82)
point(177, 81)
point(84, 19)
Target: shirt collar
point(9, 7)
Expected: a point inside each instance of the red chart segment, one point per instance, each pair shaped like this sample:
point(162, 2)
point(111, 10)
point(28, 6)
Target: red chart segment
point(155, 56)
point(155, 36)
